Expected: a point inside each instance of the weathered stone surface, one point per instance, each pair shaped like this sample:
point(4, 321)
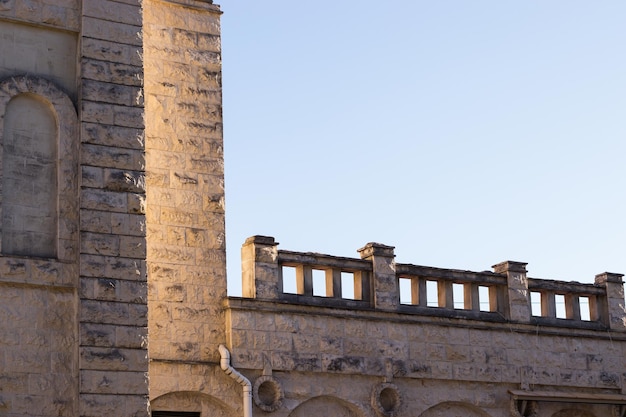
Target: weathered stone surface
point(35, 362)
point(149, 214)
point(106, 156)
point(92, 311)
point(96, 405)
point(87, 295)
point(104, 200)
point(110, 30)
point(315, 344)
point(111, 135)
point(113, 11)
point(100, 244)
point(114, 359)
point(112, 51)
point(185, 174)
point(112, 72)
point(124, 180)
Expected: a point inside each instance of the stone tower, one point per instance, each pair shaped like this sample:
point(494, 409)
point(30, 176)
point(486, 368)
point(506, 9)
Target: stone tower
point(112, 209)
point(185, 194)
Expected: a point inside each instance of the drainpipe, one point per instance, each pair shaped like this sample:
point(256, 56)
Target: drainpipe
point(242, 380)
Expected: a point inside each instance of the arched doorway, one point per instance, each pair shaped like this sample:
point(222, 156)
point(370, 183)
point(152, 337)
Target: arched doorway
point(190, 402)
point(454, 409)
point(326, 406)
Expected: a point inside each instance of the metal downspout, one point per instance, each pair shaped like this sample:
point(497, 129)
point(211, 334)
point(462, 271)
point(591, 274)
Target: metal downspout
point(242, 380)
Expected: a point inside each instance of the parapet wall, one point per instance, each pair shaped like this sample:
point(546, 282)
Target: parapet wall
point(435, 335)
point(376, 282)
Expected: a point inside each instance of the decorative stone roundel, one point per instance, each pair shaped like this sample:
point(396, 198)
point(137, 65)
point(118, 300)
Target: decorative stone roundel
point(386, 400)
point(267, 393)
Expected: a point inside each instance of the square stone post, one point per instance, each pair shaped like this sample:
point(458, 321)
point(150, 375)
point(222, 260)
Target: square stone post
point(260, 271)
point(384, 282)
point(612, 310)
point(518, 307)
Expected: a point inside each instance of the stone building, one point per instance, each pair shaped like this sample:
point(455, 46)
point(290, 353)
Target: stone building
point(112, 260)
point(105, 105)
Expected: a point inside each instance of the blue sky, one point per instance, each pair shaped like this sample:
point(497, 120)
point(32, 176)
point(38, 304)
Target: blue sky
point(464, 133)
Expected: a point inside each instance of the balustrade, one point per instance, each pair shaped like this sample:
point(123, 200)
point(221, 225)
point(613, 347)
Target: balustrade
point(448, 289)
point(376, 282)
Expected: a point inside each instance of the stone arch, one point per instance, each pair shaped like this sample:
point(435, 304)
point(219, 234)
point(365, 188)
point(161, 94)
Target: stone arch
point(572, 412)
point(66, 141)
point(326, 405)
point(192, 401)
point(454, 409)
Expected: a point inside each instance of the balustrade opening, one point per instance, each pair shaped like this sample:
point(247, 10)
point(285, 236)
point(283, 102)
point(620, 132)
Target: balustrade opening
point(376, 282)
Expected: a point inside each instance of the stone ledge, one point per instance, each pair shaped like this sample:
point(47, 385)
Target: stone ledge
point(50, 273)
point(196, 4)
point(569, 397)
point(251, 306)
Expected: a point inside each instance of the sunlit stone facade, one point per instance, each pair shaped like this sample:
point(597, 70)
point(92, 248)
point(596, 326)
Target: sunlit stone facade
point(113, 273)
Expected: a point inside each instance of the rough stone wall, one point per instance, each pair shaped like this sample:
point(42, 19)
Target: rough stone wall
point(75, 320)
point(37, 363)
point(316, 352)
point(93, 296)
point(197, 387)
point(185, 195)
point(150, 200)
point(39, 51)
point(38, 296)
point(375, 356)
point(113, 289)
point(29, 178)
point(62, 14)
point(349, 343)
